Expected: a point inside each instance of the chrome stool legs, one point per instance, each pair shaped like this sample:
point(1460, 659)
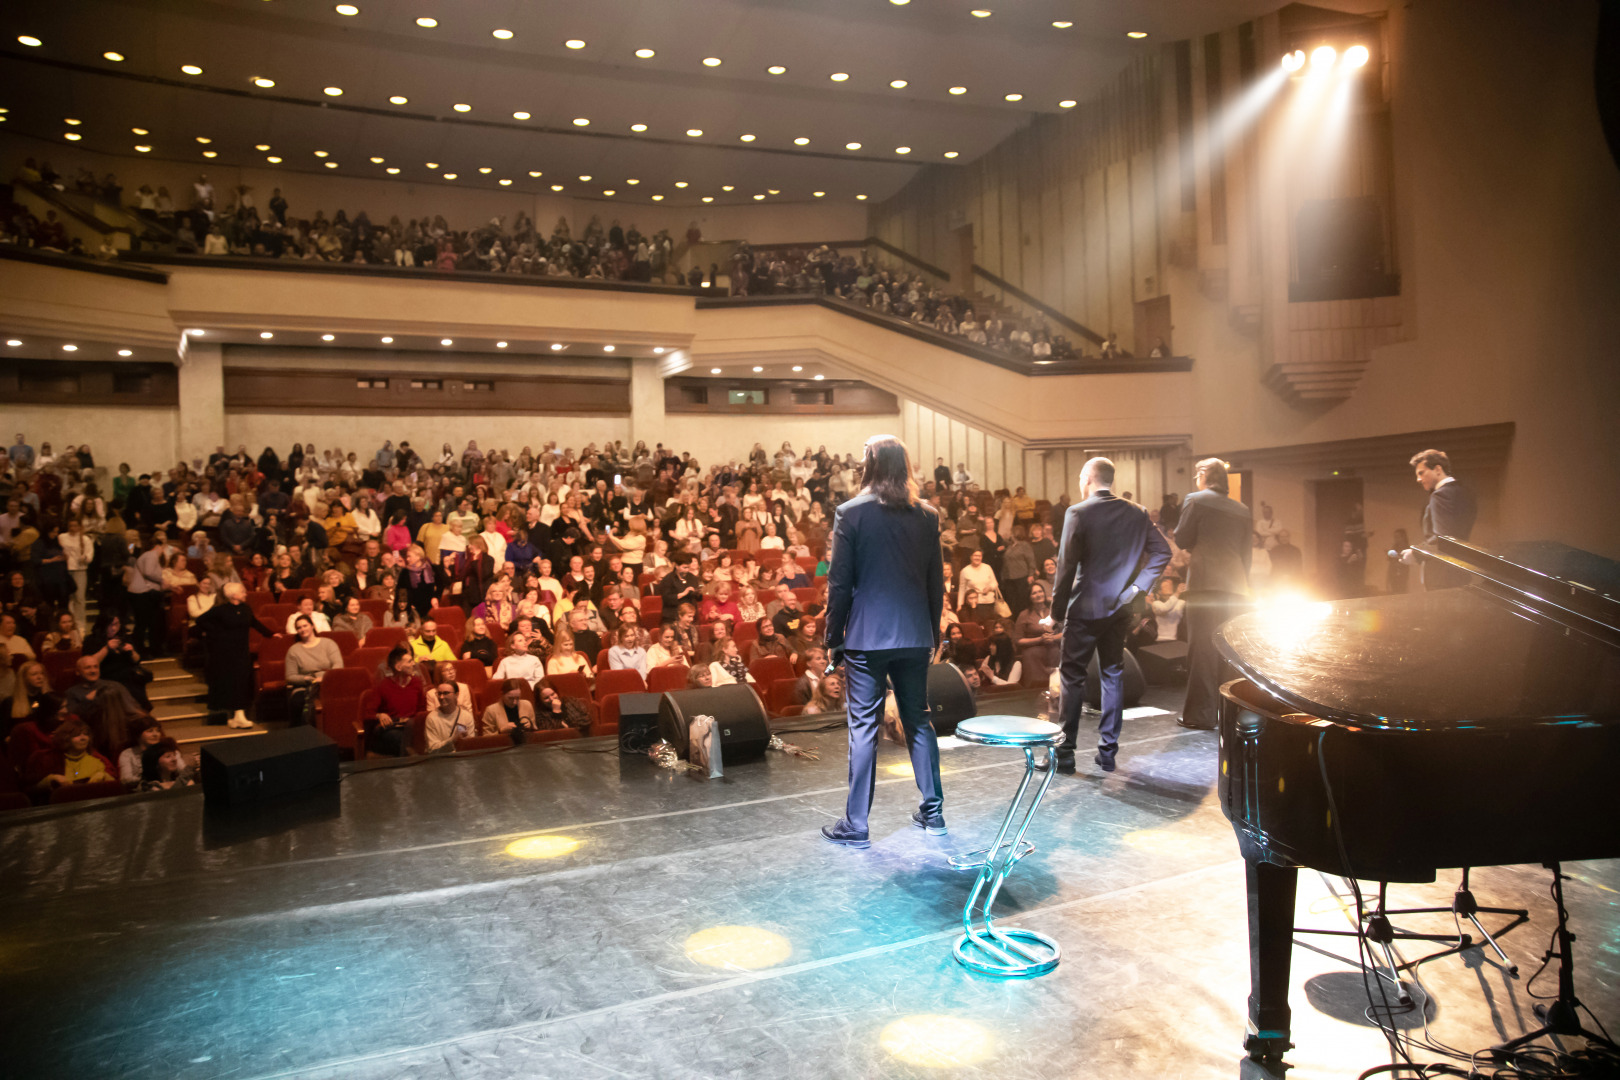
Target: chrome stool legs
point(1009, 952)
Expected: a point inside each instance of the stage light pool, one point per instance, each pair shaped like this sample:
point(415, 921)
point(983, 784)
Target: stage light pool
point(738, 948)
point(936, 1042)
point(902, 769)
point(541, 847)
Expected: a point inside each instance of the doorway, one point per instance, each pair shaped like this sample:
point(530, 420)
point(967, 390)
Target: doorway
point(1336, 513)
point(962, 269)
point(1153, 325)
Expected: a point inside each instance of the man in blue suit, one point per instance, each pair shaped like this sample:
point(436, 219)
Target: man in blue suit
point(1109, 553)
point(885, 592)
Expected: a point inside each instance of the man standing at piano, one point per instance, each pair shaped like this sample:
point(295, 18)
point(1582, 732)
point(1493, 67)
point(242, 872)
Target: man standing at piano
point(1218, 531)
point(1109, 554)
point(1451, 512)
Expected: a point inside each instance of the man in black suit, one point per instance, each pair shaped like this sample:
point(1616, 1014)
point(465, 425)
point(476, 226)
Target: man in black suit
point(1110, 554)
point(1219, 532)
point(1451, 511)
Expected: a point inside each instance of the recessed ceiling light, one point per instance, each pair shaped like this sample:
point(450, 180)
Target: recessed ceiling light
point(504, 35)
point(449, 176)
point(902, 149)
point(801, 141)
point(1062, 24)
point(860, 198)
point(746, 138)
point(206, 153)
point(574, 43)
point(505, 183)
point(126, 352)
point(1138, 34)
point(29, 40)
point(143, 149)
point(820, 377)
point(1067, 103)
point(555, 347)
point(852, 146)
point(680, 183)
point(263, 83)
point(322, 153)
point(610, 192)
point(462, 107)
point(607, 348)
point(205, 140)
point(333, 91)
point(347, 9)
point(659, 351)
point(536, 173)
point(485, 169)
point(958, 89)
point(798, 367)
point(399, 99)
point(331, 164)
point(776, 69)
point(446, 341)
point(328, 337)
point(714, 371)
point(632, 183)
point(585, 178)
point(1014, 97)
point(638, 127)
point(898, 84)
point(950, 153)
point(758, 368)
point(711, 61)
point(115, 57)
point(427, 22)
point(818, 194)
point(839, 76)
point(72, 122)
point(772, 191)
point(387, 341)
point(727, 187)
point(556, 187)
point(520, 115)
point(433, 164)
point(273, 160)
point(645, 54)
point(393, 170)
point(500, 344)
point(191, 69)
point(708, 198)
point(266, 335)
point(694, 132)
point(70, 348)
point(262, 147)
point(13, 342)
point(376, 161)
point(981, 13)
point(72, 136)
point(657, 198)
point(581, 121)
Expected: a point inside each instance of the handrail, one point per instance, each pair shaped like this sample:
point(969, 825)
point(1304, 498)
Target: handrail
point(1045, 309)
point(868, 241)
point(82, 263)
point(52, 196)
point(906, 256)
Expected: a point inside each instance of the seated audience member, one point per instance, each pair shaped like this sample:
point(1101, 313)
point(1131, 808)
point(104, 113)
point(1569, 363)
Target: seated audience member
point(720, 606)
point(552, 710)
point(117, 658)
point(163, 767)
point(729, 667)
point(1000, 666)
point(66, 637)
point(307, 610)
point(354, 620)
point(769, 643)
point(828, 695)
point(70, 760)
point(793, 576)
point(15, 643)
point(564, 659)
point(448, 719)
point(511, 716)
point(402, 614)
point(31, 698)
point(143, 732)
point(627, 654)
point(428, 645)
point(519, 663)
point(400, 700)
point(83, 696)
point(440, 673)
point(699, 676)
point(478, 645)
point(815, 663)
point(202, 601)
point(749, 609)
point(809, 635)
point(307, 661)
point(177, 573)
point(955, 648)
point(1169, 606)
point(586, 629)
point(667, 651)
point(788, 613)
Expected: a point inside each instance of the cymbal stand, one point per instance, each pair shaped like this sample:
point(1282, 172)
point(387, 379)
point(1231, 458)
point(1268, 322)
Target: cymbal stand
point(1562, 1015)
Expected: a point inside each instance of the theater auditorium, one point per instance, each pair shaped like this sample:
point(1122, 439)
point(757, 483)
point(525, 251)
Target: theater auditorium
point(809, 538)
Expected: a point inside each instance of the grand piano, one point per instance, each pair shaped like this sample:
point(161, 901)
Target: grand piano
point(1388, 738)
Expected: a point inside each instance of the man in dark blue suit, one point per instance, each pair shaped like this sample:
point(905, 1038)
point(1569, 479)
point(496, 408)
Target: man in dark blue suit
point(1109, 553)
point(1451, 511)
point(885, 592)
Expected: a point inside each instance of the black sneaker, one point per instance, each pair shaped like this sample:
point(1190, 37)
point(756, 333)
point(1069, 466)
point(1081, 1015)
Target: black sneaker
point(932, 826)
point(830, 834)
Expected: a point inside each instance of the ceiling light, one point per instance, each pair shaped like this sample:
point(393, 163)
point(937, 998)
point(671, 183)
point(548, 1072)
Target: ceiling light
point(29, 40)
point(694, 132)
point(1014, 97)
point(500, 344)
point(798, 367)
point(1323, 56)
point(392, 170)
point(115, 57)
point(757, 368)
point(72, 136)
point(898, 84)
point(585, 178)
point(714, 371)
point(520, 115)
point(902, 149)
point(776, 69)
point(398, 99)
point(727, 187)
point(632, 183)
point(126, 352)
point(485, 169)
point(263, 83)
point(759, 198)
point(950, 153)
point(462, 107)
point(433, 164)
point(574, 43)
point(427, 22)
point(273, 160)
point(333, 91)
point(1293, 61)
point(820, 377)
point(262, 147)
point(556, 187)
point(322, 153)
point(638, 127)
point(711, 61)
point(331, 164)
point(143, 149)
point(708, 198)
point(347, 9)
point(852, 146)
point(376, 161)
point(536, 173)
point(70, 348)
point(610, 192)
point(801, 141)
point(446, 341)
point(981, 13)
point(555, 347)
point(746, 138)
point(580, 121)
point(205, 140)
point(818, 194)
point(71, 122)
point(387, 341)
point(860, 198)
point(1357, 56)
point(266, 335)
point(328, 337)
point(772, 191)
point(504, 35)
point(505, 183)
point(896, 3)
point(191, 69)
point(958, 89)
point(645, 54)
point(839, 76)
point(210, 153)
point(1138, 34)
point(13, 342)
point(1067, 103)
point(1062, 24)
point(607, 348)
point(657, 198)
point(659, 351)
point(449, 176)
point(680, 183)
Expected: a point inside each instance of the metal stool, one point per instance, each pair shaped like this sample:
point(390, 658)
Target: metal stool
point(1009, 952)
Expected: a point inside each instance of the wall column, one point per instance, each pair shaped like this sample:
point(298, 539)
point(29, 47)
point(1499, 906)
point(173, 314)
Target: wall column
point(202, 401)
point(646, 401)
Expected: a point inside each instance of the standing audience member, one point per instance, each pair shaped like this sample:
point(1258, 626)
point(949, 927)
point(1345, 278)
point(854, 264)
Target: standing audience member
point(1218, 531)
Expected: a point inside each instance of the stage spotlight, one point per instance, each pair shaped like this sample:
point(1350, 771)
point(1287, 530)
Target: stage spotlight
point(1323, 56)
point(1356, 56)
point(937, 1042)
point(541, 847)
point(1293, 61)
point(738, 948)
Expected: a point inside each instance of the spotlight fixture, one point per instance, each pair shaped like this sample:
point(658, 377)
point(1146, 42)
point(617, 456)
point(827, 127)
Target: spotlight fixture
point(322, 153)
point(195, 333)
point(273, 160)
point(143, 149)
point(728, 187)
point(657, 198)
point(1293, 61)
point(376, 161)
point(981, 13)
point(759, 198)
point(504, 183)
point(585, 178)
point(680, 183)
point(74, 122)
point(1356, 56)
point(632, 183)
point(658, 351)
point(206, 153)
point(449, 176)
point(331, 164)
point(798, 367)
point(556, 187)
point(392, 170)
point(262, 147)
point(610, 192)
point(820, 377)
point(13, 342)
point(818, 194)
point(205, 140)
point(708, 198)
point(1323, 56)
point(860, 198)
point(115, 57)
point(433, 164)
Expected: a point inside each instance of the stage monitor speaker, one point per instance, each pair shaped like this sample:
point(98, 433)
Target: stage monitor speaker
point(638, 722)
point(1164, 663)
point(738, 713)
point(262, 768)
point(1134, 683)
point(950, 698)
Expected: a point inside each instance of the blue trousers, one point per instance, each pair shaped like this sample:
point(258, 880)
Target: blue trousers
point(1081, 638)
point(867, 676)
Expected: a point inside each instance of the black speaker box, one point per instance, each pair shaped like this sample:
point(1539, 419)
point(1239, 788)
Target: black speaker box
point(262, 768)
point(950, 698)
point(638, 721)
point(1134, 683)
point(1164, 663)
point(744, 732)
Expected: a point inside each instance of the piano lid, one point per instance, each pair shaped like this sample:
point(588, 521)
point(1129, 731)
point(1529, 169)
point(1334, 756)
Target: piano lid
point(1527, 643)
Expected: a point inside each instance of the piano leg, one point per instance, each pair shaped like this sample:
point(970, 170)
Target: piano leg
point(1271, 946)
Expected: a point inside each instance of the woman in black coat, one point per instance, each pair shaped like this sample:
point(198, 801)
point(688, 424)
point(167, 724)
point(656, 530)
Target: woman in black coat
point(229, 667)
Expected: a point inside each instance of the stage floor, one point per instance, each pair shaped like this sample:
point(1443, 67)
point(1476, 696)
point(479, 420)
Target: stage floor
point(683, 927)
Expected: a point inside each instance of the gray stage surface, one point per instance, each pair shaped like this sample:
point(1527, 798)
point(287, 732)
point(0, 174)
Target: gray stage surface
point(680, 927)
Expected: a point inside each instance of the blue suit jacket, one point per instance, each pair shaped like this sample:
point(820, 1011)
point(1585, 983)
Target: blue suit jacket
point(1108, 545)
point(886, 581)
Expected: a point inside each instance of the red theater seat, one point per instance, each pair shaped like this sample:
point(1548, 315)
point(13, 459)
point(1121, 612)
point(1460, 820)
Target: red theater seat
point(661, 680)
point(625, 681)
